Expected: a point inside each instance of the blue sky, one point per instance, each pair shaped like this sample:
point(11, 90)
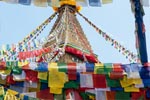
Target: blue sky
point(116, 19)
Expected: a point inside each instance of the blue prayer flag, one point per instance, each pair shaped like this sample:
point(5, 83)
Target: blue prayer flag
point(95, 3)
point(25, 2)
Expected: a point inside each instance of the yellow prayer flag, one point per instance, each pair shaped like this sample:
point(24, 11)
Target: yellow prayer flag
point(2, 81)
point(42, 75)
point(10, 96)
point(30, 89)
point(6, 72)
point(106, 1)
point(19, 63)
point(56, 79)
point(12, 92)
point(137, 81)
point(125, 83)
point(1, 90)
point(92, 97)
point(97, 66)
point(56, 90)
point(52, 67)
point(21, 96)
point(41, 3)
point(131, 89)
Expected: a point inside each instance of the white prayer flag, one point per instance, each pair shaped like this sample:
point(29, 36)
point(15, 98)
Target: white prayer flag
point(145, 3)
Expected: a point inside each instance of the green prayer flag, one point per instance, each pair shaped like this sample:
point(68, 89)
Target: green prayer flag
point(112, 82)
point(62, 67)
point(1, 97)
point(84, 96)
point(59, 97)
point(9, 64)
point(100, 70)
point(71, 84)
point(44, 81)
point(121, 95)
point(108, 67)
point(31, 98)
point(16, 70)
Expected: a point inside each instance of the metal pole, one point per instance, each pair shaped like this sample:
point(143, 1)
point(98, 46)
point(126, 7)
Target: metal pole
point(139, 13)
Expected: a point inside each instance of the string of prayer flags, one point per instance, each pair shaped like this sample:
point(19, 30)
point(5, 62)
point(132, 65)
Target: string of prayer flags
point(57, 3)
point(9, 51)
point(35, 53)
point(50, 76)
point(127, 53)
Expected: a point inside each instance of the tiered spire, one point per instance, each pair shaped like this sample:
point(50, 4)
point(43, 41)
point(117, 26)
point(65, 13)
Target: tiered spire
point(69, 37)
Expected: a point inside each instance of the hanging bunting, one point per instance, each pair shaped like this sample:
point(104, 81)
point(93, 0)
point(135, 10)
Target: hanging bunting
point(128, 54)
point(34, 82)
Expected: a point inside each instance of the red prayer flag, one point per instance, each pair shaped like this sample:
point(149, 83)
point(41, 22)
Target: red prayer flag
point(116, 75)
point(72, 71)
point(110, 95)
point(9, 80)
point(2, 65)
point(117, 68)
point(25, 66)
point(73, 93)
point(31, 75)
point(99, 81)
point(138, 95)
point(44, 95)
